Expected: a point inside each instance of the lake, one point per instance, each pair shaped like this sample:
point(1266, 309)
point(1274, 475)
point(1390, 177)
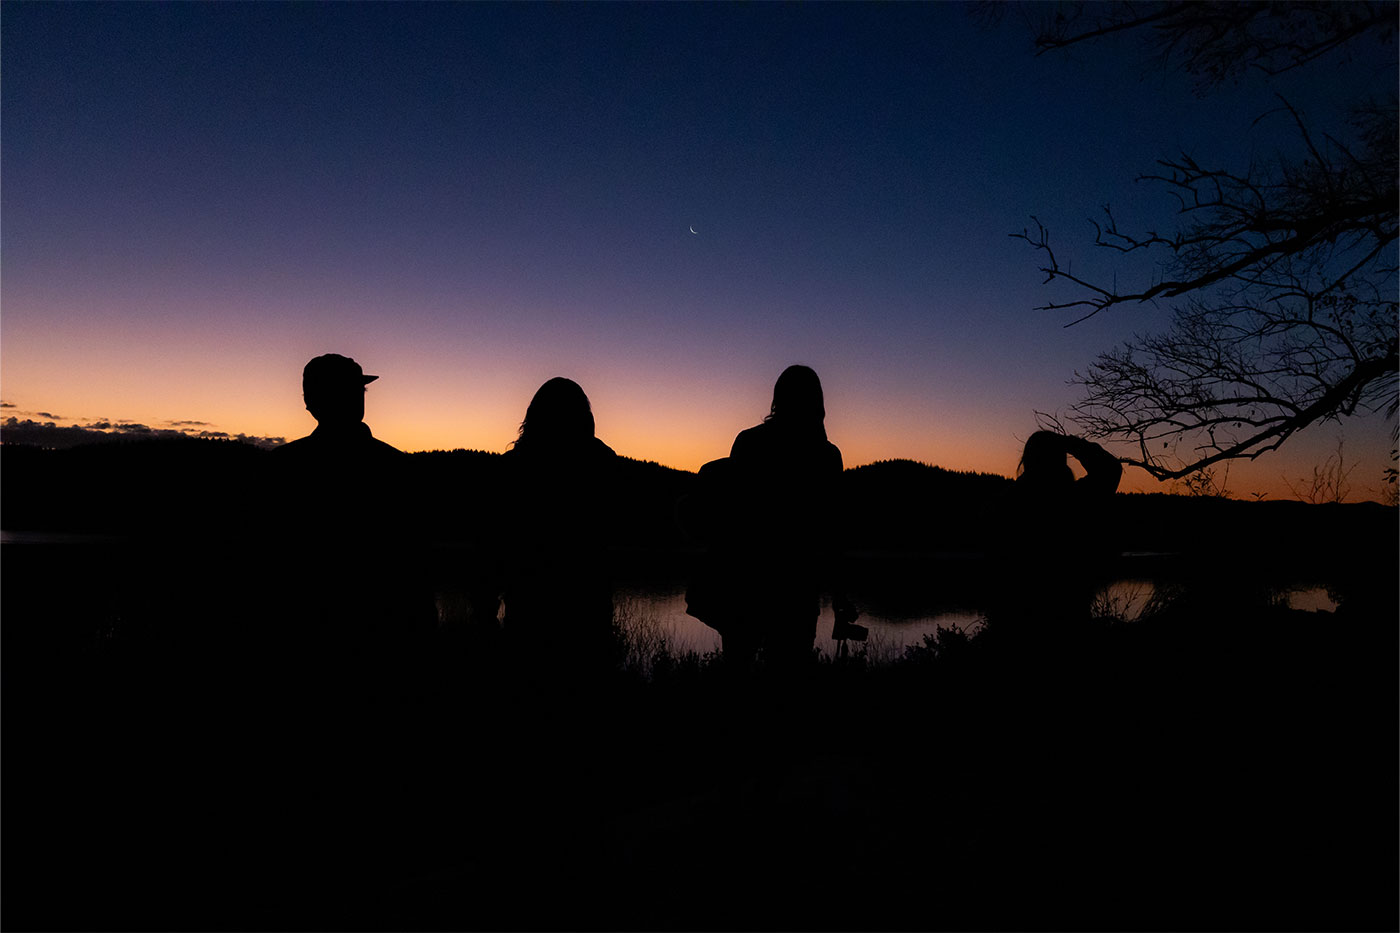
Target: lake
point(902, 597)
point(663, 606)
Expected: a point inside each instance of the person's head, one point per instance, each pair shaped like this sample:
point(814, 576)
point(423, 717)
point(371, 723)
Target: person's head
point(558, 414)
point(333, 387)
point(1043, 460)
point(797, 398)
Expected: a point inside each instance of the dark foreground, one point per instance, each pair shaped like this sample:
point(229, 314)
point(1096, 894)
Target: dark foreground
point(1221, 766)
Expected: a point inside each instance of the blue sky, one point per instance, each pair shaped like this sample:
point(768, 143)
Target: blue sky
point(472, 198)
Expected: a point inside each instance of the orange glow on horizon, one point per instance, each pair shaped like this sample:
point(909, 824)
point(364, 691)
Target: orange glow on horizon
point(636, 435)
point(472, 394)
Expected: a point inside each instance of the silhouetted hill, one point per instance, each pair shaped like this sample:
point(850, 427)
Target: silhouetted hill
point(460, 485)
point(904, 505)
point(120, 486)
point(908, 472)
point(182, 485)
point(127, 486)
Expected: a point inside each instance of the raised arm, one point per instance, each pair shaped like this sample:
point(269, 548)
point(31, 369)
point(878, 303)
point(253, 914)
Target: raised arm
point(1102, 470)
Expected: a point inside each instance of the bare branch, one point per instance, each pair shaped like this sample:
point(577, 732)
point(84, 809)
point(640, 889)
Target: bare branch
point(1282, 277)
point(1216, 42)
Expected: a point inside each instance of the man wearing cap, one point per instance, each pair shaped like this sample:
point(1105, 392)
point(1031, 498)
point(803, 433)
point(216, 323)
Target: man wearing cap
point(343, 633)
point(333, 387)
point(347, 521)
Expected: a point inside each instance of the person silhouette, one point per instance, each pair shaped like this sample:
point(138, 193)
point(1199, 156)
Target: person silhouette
point(559, 481)
point(1056, 533)
point(347, 524)
point(344, 663)
point(774, 525)
point(333, 388)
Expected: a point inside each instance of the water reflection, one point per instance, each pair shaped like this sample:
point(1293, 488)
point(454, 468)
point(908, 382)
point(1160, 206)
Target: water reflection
point(660, 608)
point(1127, 600)
point(1309, 598)
point(901, 599)
point(663, 607)
point(1132, 599)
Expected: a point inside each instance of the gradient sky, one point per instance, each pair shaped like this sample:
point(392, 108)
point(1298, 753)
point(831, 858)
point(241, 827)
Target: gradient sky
point(472, 198)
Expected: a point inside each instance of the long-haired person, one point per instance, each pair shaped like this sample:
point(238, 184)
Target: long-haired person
point(559, 483)
point(782, 531)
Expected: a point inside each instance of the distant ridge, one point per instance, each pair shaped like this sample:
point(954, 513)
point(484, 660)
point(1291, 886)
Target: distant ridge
point(182, 485)
point(914, 469)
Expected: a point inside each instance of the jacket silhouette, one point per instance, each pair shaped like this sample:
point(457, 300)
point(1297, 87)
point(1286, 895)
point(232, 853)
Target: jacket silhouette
point(337, 470)
point(559, 490)
point(771, 517)
point(347, 526)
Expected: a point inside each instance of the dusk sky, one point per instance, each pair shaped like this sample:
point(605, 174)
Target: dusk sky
point(472, 198)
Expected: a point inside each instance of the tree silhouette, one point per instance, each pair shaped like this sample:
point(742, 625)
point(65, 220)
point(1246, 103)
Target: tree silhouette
point(1216, 42)
point(1284, 273)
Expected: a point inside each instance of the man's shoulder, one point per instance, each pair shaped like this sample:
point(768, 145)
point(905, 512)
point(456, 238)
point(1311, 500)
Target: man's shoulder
point(382, 446)
point(386, 450)
point(320, 444)
point(293, 448)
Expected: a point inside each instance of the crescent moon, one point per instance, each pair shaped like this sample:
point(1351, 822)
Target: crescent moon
point(692, 230)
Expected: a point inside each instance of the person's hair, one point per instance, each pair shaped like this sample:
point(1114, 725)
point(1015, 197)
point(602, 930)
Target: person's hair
point(559, 413)
point(1043, 459)
point(797, 399)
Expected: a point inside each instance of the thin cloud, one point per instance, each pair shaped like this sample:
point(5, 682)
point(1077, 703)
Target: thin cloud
point(47, 434)
point(266, 443)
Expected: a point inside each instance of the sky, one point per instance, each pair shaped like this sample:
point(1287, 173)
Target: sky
point(668, 203)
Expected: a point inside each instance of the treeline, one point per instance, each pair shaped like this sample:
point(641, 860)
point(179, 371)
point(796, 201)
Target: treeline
point(183, 485)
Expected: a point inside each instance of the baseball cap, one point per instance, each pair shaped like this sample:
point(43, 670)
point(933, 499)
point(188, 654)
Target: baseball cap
point(332, 370)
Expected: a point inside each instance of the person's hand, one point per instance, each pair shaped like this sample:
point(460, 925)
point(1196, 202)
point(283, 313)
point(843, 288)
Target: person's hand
point(1078, 447)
